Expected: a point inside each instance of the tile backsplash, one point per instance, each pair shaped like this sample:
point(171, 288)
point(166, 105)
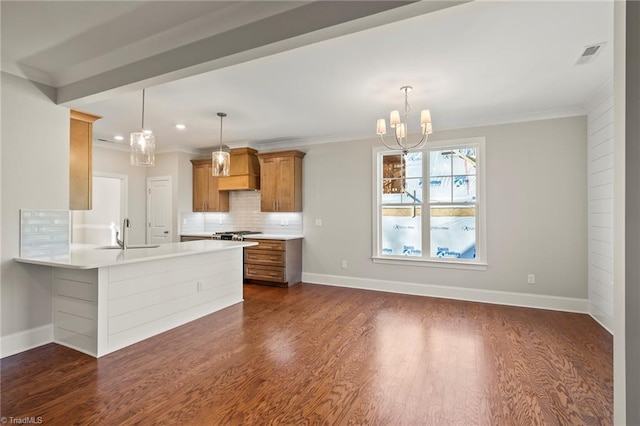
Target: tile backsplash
point(44, 232)
point(244, 215)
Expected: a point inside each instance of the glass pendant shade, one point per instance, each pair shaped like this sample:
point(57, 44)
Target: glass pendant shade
point(220, 160)
point(143, 145)
point(143, 148)
point(220, 163)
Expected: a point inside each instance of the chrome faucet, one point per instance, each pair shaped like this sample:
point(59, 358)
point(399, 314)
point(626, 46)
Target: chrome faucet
point(123, 243)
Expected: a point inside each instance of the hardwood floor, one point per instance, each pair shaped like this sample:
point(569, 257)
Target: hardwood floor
point(324, 355)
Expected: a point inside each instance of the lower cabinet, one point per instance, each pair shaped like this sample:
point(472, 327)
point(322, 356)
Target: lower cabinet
point(273, 262)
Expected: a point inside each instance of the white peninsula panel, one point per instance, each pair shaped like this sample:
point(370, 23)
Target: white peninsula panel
point(102, 309)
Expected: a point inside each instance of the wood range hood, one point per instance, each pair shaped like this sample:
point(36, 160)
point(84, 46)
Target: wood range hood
point(244, 171)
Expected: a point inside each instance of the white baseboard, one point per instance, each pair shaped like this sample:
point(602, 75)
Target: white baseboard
point(554, 303)
point(25, 340)
point(603, 319)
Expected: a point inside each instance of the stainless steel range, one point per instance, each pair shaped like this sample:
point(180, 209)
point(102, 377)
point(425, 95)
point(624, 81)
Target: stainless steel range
point(232, 235)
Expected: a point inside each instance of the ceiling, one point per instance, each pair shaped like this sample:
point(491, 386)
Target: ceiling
point(296, 73)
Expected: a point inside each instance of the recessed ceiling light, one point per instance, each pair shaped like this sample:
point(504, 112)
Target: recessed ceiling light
point(118, 138)
point(180, 126)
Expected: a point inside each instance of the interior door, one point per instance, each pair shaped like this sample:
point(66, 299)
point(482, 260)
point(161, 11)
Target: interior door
point(159, 210)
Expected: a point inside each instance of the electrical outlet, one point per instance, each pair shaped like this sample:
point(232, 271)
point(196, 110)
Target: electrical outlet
point(318, 222)
point(531, 279)
point(344, 264)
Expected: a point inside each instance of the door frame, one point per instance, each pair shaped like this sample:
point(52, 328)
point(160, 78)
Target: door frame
point(148, 224)
point(124, 194)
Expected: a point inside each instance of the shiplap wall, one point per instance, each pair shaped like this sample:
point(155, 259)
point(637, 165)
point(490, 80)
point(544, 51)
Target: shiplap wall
point(600, 195)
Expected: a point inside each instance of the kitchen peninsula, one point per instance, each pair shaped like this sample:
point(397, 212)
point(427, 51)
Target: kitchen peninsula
point(106, 299)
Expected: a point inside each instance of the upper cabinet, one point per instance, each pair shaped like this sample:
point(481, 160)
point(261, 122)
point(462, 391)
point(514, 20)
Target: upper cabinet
point(206, 196)
point(80, 160)
point(281, 181)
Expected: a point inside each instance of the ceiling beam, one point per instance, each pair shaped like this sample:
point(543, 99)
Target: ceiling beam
point(307, 24)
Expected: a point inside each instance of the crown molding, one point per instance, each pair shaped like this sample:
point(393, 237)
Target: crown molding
point(27, 73)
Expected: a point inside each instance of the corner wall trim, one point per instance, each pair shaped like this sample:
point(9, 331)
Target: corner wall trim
point(527, 300)
point(25, 340)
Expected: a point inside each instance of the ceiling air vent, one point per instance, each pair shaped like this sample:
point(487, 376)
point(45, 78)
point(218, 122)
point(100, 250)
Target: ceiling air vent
point(589, 53)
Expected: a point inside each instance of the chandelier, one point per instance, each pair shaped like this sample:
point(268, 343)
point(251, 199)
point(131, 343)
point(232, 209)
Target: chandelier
point(143, 145)
point(401, 128)
point(219, 159)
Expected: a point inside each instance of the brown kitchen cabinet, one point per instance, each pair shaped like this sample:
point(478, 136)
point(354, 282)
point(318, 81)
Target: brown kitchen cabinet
point(206, 197)
point(281, 181)
point(273, 262)
point(81, 160)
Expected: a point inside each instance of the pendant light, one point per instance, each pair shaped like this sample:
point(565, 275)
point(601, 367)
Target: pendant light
point(143, 145)
point(219, 159)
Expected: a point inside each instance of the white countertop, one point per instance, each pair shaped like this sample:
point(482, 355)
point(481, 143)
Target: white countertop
point(81, 256)
point(249, 236)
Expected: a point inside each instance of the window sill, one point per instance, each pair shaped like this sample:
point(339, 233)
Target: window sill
point(450, 264)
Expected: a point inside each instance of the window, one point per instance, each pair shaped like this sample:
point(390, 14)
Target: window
point(442, 221)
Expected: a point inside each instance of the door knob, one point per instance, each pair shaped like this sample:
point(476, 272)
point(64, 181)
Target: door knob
point(166, 232)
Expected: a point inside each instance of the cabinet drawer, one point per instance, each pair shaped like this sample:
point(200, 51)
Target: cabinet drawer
point(265, 273)
point(264, 257)
point(268, 244)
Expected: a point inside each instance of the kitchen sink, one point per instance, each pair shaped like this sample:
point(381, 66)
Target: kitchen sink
point(132, 246)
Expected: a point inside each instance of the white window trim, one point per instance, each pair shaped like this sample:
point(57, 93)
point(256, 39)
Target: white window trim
point(480, 263)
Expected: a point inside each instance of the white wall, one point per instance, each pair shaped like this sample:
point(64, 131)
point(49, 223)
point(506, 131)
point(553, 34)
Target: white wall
point(35, 175)
point(600, 171)
point(174, 164)
point(185, 185)
point(536, 216)
point(619, 316)
point(631, 204)
point(107, 160)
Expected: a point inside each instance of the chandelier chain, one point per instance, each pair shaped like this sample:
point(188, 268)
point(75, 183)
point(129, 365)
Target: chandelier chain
point(407, 107)
point(143, 109)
